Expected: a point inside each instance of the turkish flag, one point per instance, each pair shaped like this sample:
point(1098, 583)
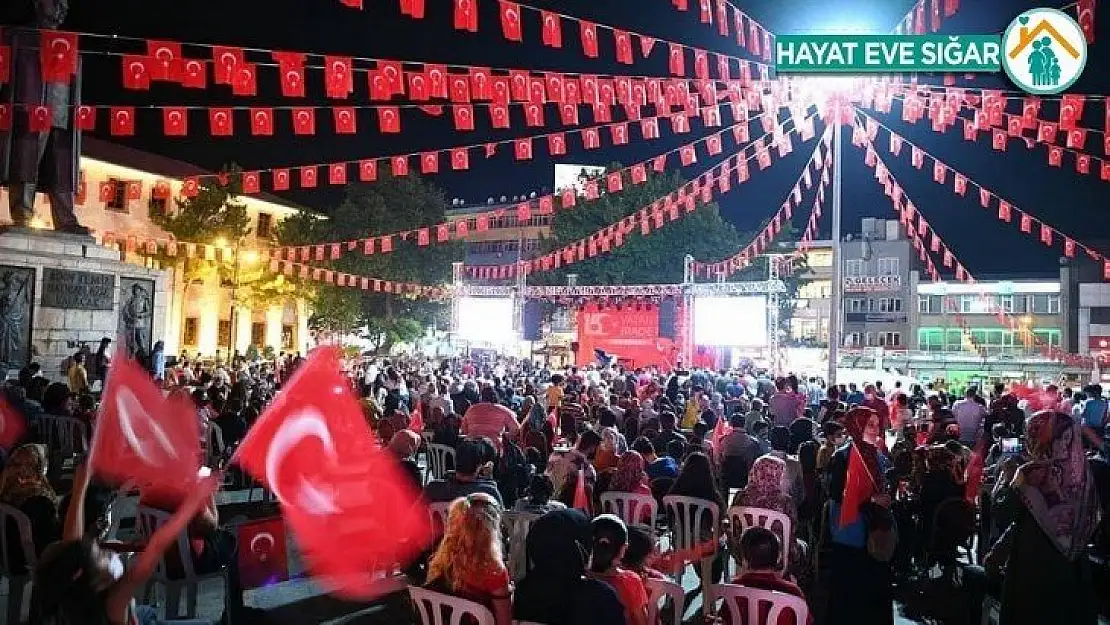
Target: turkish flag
point(194, 74)
point(38, 119)
point(466, 15)
point(85, 118)
point(624, 46)
point(337, 173)
point(161, 190)
point(304, 120)
point(263, 556)
point(1085, 10)
point(522, 149)
point(143, 436)
point(123, 121)
point(262, 122)
point(5, 63)
point(107, 192)
point(460, 158)
point(510, 20)
point(1071, 110)
point(347, 501)
point(552, 29)
point(175, 121)
point(280, 179)
point(557, 144)
point(308, 177)
point(220, 122)
point(413, 8)
point(389, 119)
point(13, 426)
point(399, 165)
point(344, 118)
point(859, 485)
point(291, 70)
point(136, 74)
point(57, 55)
point(677, 60)
point(588, 33)
point(464, 117)
point(339, 78)
point(429, 162)
point(134, 190)
point(368, 170)
point(226, 60)
point(244, 82)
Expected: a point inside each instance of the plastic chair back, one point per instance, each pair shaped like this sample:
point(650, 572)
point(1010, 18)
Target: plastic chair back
point(630, 507)
point(740, 518)
point(659, 589)
point(437, 460)
point(753, 599)
point(437, 608)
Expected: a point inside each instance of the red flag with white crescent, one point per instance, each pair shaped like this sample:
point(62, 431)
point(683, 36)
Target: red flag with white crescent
point(144, 437)
point(354, 513)
point(12, 425)
point(859, 485)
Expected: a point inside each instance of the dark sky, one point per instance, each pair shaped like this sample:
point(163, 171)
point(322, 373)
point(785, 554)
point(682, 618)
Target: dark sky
point(1073, 203)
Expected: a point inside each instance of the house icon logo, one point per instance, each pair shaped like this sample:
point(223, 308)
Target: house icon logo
point(1044, 51)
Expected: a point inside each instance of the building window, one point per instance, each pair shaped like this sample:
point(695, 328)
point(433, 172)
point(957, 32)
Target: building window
point(258, 334)
point(923, 304)
point(890, 304)
point(853, 339)
point(287, 337)
point(158, 205)
point(190, 331)
point(853, 268)
point(265, 226)
point(223, 334)
point(888, 266)
point(1006, 303)
point(967, 302)
point(930, 339)
point(857, 305)
point(1053, 304)
point(118, 201)
point(890, 339)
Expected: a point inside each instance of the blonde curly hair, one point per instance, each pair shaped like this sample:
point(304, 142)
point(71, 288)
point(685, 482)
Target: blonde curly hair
point(471, 544)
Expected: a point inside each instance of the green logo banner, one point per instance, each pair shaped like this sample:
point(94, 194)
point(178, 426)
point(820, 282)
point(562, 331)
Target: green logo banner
point(887, 54)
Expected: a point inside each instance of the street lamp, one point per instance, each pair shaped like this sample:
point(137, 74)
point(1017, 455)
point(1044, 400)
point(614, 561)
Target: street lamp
point(248, 258)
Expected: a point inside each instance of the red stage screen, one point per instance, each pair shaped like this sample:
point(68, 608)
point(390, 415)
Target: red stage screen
point(630, 335)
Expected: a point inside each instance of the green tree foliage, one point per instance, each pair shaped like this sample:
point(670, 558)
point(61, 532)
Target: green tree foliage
point(653, 259)
point(392, 204)
point(216, 214)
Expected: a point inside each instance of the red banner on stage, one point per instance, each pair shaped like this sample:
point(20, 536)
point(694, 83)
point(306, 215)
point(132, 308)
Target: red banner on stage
point(629, 334)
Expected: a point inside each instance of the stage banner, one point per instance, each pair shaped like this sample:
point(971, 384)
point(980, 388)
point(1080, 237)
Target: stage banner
point(628, 334)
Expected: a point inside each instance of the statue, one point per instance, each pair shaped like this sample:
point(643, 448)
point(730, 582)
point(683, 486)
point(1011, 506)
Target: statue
point(39, 161)
point(135, 317)
point(14, 302)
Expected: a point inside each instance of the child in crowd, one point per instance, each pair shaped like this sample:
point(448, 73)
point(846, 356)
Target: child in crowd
point(761, 550)
point(610, 540)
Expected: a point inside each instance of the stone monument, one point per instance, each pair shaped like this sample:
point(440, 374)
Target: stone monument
point(61, 291)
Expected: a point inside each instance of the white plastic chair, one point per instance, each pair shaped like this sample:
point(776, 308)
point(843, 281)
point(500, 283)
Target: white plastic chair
point(65, 436)
point(518, 524)
point(437, 460)
point(687, 516)
point(150, 519)
point(18, 579)
point(431, 605)
point(666, 591)
point(733, 595)
point(740, 518)
point(629, 507)
point(124, 506)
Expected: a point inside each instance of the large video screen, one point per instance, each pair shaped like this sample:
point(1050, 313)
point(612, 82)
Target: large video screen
point(730, 321)
point(486, 320)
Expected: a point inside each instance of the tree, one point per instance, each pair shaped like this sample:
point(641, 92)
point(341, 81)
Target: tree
point(216, 215)
point(392, 204)
point(653, 259)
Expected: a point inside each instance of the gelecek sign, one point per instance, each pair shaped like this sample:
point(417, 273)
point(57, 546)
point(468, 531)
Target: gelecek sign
point(868, 284)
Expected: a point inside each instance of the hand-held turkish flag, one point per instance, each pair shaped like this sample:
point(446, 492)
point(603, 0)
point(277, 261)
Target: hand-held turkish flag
point(416, 422)
point(350, 506)
point(12, 425)
point(581, 501)
point(859, 485)
point(142, 436)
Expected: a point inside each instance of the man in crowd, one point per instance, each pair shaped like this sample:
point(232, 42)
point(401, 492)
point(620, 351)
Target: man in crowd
point(970, 413)
point(474, 460)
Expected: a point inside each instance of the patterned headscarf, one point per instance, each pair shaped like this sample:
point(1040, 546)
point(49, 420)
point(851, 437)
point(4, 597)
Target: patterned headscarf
point(1056, 485)
point(24, 476)
point(630, 473)
point(766, 482)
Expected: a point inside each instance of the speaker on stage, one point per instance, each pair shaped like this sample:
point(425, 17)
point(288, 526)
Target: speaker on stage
point(668, 313)
point(533, 320)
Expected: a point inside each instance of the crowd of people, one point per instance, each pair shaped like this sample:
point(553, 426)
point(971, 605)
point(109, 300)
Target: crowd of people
point(966, 500)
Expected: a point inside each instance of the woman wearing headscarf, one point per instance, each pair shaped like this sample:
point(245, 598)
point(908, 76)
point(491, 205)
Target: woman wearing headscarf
point(23, 486)
point(1055, 510)
point(630, 476)
point(555, 590)
point(767, 489)
point(860, 591)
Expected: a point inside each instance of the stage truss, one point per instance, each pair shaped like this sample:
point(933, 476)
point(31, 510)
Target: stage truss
point(773, 288)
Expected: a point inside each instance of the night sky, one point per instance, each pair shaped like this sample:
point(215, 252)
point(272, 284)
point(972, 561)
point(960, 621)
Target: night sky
point(1075, 204)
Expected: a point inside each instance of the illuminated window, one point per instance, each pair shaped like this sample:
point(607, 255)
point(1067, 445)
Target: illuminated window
point(190, 331)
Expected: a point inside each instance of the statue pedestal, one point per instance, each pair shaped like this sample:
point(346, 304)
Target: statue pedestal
point(61, 291)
